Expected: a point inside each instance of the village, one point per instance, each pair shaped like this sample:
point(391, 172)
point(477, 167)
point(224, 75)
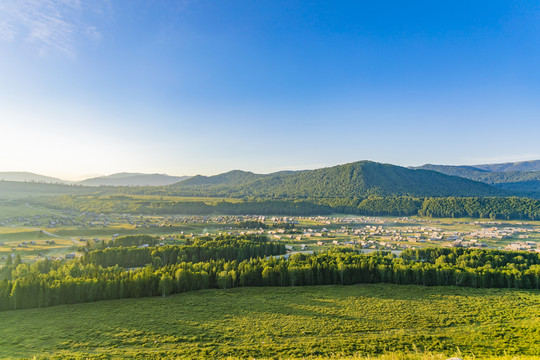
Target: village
point(59, 235)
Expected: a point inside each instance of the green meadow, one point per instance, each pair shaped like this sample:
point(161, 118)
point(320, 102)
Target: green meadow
point(376, 321)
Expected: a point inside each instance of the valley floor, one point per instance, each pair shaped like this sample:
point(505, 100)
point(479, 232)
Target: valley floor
point(380, 321)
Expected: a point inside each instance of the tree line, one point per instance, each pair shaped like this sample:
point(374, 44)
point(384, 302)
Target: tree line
point(506, 208)
point(49, 283)
point(494, 208)
point(225, 247)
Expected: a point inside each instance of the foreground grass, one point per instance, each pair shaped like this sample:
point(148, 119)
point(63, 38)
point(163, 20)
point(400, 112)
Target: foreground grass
point(383, 321)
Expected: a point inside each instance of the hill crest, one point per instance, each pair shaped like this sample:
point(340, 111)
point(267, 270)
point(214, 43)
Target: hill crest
point(358, 179)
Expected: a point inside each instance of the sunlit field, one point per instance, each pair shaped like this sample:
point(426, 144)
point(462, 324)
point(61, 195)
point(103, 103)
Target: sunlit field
point(321, 322)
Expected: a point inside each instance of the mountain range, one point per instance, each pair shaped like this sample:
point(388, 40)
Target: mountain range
point(119, 179)
point(133, 179)
point(353, 180)
point(531, 165)
point(23, 176)
point(358, 179)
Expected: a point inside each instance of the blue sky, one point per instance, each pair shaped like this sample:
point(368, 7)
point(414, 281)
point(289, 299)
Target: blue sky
point(188, 87)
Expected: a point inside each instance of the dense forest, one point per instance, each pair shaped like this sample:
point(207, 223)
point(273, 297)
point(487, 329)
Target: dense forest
point(491, 207)
point(214, 263)
point(494, 208)
point(201, 249)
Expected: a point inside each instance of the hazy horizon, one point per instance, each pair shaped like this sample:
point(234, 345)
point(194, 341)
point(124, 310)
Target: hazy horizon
point(82, 177)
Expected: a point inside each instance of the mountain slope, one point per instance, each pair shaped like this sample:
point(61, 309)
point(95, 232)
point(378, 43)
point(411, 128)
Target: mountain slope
point(518, 182)
point(133, 179)
point(357, 179)
point(532, 165)
point(234, 177)
point(488, 177)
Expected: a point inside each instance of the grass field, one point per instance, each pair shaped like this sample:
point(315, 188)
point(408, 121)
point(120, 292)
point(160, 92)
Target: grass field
point(130, 230)
point(21, 208)
point(387, 321)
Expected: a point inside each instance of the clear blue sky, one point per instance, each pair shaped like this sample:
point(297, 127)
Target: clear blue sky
point(187, 87)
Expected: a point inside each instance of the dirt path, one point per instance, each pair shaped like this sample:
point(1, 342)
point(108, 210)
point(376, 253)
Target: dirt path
point(44, 210)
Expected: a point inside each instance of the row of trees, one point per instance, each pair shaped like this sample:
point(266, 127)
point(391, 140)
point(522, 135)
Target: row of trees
point(202, 249)
point(464, 258)
point(121, 241)
point(50, 284)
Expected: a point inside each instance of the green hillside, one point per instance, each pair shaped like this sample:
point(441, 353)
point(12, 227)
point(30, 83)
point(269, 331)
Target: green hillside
point(291, 323)
point(354, 180)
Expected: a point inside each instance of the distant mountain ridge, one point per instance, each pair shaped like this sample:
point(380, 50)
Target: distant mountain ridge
point(353, 180)
point(358, 179)
point(133, 179)
point(524, 182)
point(119, 179)
point(24, 176)
point(531, 165)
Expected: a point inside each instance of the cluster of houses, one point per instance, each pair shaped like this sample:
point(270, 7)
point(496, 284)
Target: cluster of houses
point(523, 246)
point(312, 232)
point(387, 233)
point(502, 233)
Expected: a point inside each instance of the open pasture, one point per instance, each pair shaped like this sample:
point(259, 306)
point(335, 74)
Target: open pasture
point(10, 209)
point(317, 321)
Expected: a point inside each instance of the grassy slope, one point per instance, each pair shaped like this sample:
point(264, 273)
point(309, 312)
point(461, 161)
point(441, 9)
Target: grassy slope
point(283, 322)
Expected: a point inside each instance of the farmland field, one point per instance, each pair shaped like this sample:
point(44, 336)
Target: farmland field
point(319, 321)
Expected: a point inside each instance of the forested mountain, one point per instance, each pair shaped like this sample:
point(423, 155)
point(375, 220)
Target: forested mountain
point(518, 182)
point(465, 171)
point(133, 179)
point(231, 178)
point(352, 180)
